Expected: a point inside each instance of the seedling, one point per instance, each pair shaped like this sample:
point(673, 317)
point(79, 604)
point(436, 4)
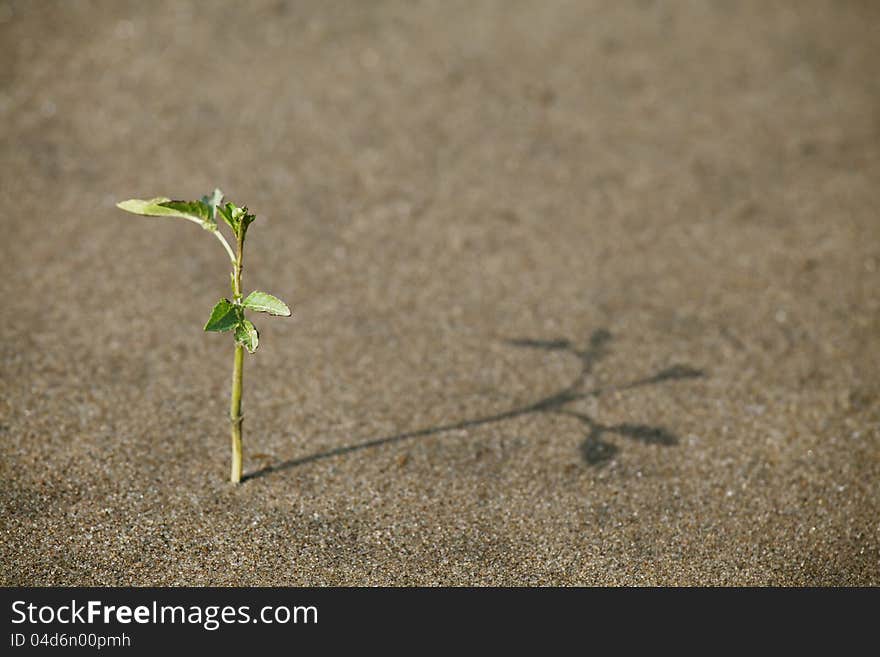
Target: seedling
point(227, 315)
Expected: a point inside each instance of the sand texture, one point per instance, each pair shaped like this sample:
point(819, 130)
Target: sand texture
point(584, 293)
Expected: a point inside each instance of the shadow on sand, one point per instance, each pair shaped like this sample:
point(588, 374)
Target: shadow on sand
point(595, 450)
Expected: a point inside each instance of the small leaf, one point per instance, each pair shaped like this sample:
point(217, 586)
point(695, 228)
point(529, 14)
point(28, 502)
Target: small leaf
point(237, 218)
point(161, 206)
point(247, 219)
point(266, 303)
point(148, 207)
point(212, 202)
point(225, 211)
point(247, 335)
point(139, 206)
point(200, 210)
point(224, 317)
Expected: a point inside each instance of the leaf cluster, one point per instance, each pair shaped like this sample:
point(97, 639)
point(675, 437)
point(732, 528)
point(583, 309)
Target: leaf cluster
point(229, 316)
point(237, 218)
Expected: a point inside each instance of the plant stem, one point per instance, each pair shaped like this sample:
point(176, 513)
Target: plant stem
point(235, 416)
point(225, 244)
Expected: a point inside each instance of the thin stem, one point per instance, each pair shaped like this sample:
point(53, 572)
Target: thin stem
point(237, 264)
point(235, 416)
point(225, 244)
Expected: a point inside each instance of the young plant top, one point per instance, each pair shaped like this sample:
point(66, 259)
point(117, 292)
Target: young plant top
point(228, 314)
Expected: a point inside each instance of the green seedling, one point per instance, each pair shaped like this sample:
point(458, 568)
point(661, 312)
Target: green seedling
point(227, 315)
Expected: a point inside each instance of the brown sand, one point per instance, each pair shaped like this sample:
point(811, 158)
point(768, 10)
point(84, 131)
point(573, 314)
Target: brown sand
point(694, 185)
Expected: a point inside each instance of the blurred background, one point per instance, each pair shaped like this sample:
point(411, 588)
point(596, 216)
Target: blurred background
point(436, 184)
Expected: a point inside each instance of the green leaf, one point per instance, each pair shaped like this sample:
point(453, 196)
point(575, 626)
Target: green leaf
point(198, 209)
point(148, 207)
point(247, 335)
point(226, 215)
point(266, 303)
point(237, 218)
point(224, 317)
point(161, 206)
point(212, 202)
point(247, 219)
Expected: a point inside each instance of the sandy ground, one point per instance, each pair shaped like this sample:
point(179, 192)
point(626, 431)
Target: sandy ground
point(584, 293)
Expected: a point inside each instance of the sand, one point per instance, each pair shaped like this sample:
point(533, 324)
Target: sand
point(585, 293)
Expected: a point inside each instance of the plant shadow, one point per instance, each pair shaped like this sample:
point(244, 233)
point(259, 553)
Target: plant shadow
point(595, 449)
